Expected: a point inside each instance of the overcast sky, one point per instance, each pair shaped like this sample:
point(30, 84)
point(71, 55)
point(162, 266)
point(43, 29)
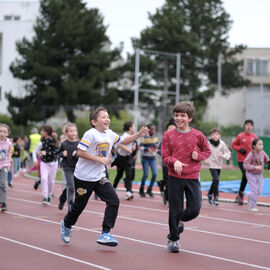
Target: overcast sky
point(126, 19)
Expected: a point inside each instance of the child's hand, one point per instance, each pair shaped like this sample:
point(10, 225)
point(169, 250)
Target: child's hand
point(65, 153)
point(221, 156)
point(74, 153)
point(43, 153)
point(35, 164)
point(259, 167)
point(144, 131)
point(105, 161)
point(195, 154)
point(206, 162)
point(178, 167)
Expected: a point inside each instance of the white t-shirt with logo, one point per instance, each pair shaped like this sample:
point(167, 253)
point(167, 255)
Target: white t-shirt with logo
point(122, 152)
point(98, 144)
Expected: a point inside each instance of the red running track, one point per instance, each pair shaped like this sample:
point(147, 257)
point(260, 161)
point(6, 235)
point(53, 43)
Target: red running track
point(223, 237)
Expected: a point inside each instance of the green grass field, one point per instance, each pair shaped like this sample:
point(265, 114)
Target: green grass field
point(226, 175)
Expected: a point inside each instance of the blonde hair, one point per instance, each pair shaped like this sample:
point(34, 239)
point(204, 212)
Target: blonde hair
point(69, 125)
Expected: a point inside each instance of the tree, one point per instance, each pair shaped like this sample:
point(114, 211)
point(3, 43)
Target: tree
point(197, 29)
point(67, 63)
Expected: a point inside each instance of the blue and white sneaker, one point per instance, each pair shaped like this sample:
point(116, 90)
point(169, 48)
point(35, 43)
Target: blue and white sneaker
point(65, 233)
point(107, 240)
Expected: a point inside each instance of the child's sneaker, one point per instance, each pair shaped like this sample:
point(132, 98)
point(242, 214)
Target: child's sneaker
point(65, 233)
point(107, 240)
point(215, 202)
point(3, 207)
point(129, 196)
point(37, 183)
point(173, 246)
point(210, 199)
point(181, 226)
point(253, 209)
point(45, 201)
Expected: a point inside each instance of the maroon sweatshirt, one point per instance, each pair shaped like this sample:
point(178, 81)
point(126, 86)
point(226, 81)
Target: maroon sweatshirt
point(179, 146)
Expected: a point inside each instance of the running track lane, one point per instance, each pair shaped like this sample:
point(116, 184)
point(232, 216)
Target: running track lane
point(228, 236)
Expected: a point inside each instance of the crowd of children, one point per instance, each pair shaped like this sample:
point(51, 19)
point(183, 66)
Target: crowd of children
point(84, 165)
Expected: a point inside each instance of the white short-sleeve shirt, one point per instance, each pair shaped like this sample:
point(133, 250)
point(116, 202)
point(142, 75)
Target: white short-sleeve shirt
point(98, 144)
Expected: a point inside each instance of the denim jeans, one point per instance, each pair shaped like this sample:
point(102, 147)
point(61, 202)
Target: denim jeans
point(148, 162)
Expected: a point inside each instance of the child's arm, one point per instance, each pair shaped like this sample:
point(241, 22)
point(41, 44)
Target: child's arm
point(35, 152)
point(103, 160)
point(248, 163)
point(204, 151)
point(226, 152)
point(143, 131)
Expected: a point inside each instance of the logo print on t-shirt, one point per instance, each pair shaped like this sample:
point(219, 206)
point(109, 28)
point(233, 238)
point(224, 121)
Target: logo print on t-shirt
point(3, 154)
point(102, 149)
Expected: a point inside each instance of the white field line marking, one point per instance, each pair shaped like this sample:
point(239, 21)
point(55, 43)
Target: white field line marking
point(152, 244)
point(54, 253)
point(166, 225)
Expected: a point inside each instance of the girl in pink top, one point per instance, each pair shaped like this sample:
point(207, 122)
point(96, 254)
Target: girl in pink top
point(254, 165)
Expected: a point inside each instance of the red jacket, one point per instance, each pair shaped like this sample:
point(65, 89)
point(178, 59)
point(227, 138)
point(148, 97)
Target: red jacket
point(179, 146)
point(243, 140)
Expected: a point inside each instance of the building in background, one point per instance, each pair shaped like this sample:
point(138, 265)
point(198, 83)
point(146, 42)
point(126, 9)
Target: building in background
point(17, 19)
point(252, 102)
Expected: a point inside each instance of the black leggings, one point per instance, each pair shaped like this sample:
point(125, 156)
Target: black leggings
point(215, 181)
point(244, 178)
point(83, 191)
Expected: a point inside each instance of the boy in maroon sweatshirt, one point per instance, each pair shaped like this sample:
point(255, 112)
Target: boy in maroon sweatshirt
point(182, 151)
point(242, 144)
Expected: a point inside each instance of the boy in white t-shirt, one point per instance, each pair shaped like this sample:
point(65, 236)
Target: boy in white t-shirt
point(90, 175)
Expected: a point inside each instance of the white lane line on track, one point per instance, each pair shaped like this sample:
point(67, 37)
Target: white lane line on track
point(160, 202)
point(55, 253)
point(149, 243)
point(166, 225)
point(144, 208)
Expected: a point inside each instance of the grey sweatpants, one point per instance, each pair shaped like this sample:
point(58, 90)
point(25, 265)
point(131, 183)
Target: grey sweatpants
point(3, 180)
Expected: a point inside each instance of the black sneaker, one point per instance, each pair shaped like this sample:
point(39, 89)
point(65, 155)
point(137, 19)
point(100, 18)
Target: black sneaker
point(142, 194)
point(3, 207)
point(150, 193)
point(37, 183)
point(181, 226)
point(210, 199)
point(45, 201)
point(173, 246)
point(215, 201)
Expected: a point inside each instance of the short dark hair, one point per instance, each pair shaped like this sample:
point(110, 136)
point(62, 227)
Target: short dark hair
point(249, 121)
point(185, 107)
point(127, 125)
point(214, 130)
point(94, 114)
point(48, 129)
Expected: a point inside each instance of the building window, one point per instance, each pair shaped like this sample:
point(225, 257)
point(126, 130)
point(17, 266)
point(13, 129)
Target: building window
point(7, 17)
point(17, 18)
point(257, 67)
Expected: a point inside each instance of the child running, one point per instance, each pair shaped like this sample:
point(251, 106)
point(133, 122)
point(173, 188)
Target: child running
point(68, 150)
point(254, 165)
point(242, 144)
point(182, 151)
point(90, 175)
point(219, 151)
point(48, 166)
point(5, 155)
